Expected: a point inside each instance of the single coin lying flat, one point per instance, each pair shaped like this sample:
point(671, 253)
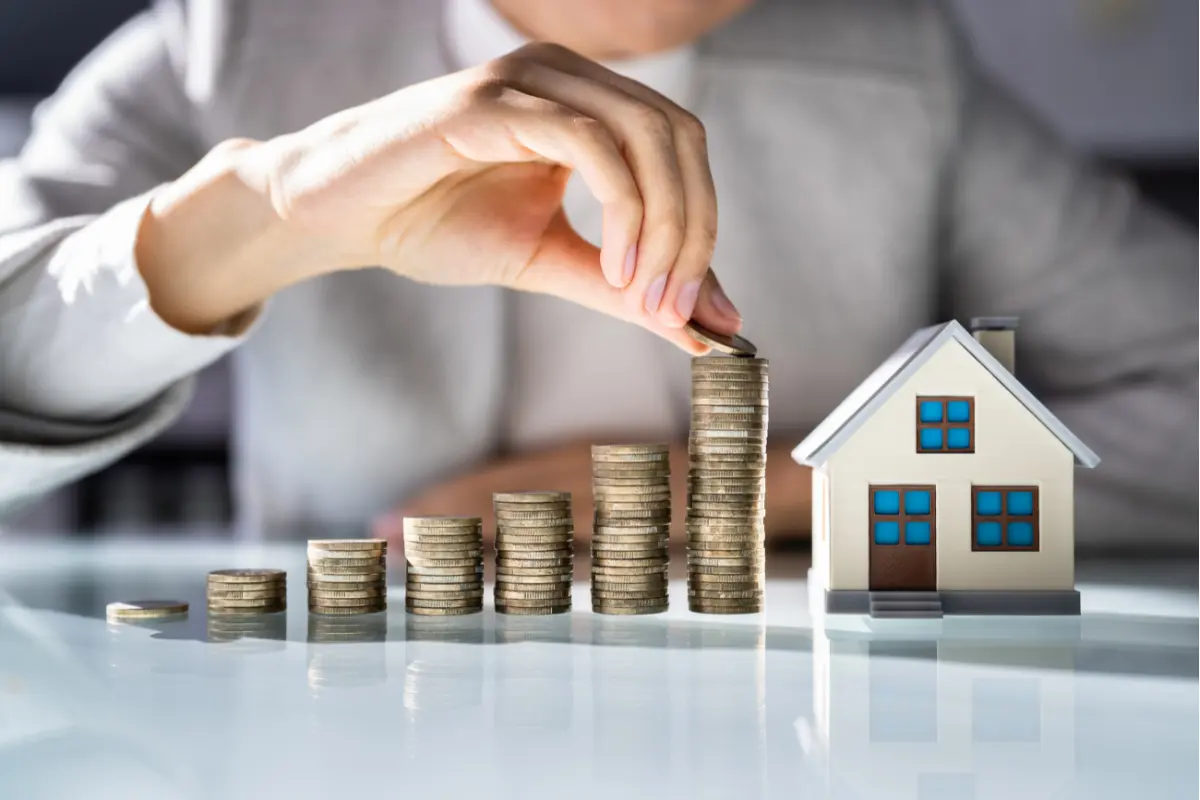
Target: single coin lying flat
point(146, 609)
point(730, 345)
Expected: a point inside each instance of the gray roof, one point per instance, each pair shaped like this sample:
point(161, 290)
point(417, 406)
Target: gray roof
point(881, 384)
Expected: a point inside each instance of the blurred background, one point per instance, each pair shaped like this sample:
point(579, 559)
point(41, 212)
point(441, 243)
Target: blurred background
point(1118, 78)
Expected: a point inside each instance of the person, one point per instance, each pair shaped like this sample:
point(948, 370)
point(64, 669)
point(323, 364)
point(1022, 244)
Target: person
point(346, 193)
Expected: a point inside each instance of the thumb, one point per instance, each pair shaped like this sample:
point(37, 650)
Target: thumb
point(568, 266)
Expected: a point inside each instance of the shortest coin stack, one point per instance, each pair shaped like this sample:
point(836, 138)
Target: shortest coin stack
point(443, 566)
point(146, 610)
point(534, 552)
point(247, 591)
point(347, 576)
point(632, 488)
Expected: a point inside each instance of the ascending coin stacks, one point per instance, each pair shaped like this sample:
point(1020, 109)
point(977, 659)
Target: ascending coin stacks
point(534, 552)
point(347, 576)
point(443, 566)
point(631, 485)
point(727, 462)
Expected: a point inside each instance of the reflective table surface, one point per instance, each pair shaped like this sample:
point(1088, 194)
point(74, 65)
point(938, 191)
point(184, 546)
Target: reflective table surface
point(671, 706)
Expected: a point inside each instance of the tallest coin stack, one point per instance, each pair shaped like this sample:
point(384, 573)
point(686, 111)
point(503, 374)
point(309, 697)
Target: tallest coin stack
point(726, 485)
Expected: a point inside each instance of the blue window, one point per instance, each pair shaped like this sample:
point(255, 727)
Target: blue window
point(945, 424)
point(958, 438)
point(931, 438)
point(887, 502)
point(987, 534)
point(1020, 504)
point(916, 501)
point(931, 411)
point(958, 411)
point(916, 533)
point(987, 504)
point(1005, 518)
point(1020, 534)
point(887, 533)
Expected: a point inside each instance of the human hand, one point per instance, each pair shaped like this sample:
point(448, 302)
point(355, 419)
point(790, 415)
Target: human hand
point(459, 181)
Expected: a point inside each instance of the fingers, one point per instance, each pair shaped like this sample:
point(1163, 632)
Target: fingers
point(566, 267)
point(676, 247)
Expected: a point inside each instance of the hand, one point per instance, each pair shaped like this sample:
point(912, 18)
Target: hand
point(459, 180)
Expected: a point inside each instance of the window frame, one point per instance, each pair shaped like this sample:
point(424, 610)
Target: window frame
point(945, 425)
point(901, 516)
point(1004, 518)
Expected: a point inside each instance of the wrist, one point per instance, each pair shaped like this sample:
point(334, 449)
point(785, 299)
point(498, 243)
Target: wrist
point(211, 245)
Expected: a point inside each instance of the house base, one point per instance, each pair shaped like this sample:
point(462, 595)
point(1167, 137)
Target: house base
point(1016, 603)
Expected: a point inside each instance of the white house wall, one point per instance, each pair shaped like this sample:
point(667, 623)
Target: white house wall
point(1012, 448)
point(821, 512)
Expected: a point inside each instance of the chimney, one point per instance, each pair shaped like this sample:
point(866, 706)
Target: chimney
point(998, 335)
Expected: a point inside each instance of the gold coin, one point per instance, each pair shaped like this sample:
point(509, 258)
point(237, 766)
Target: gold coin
point(445, 612)
point(462, 577)
point(631, 530)
point(630, 543)
point(233, 594)
point(463, 586)
point(637, 583)
point(442, 522)
point(533, 561)
point(630, 449)
point(721, 362)
point(724, 343)
point(509, 595)
point(474, 567)
point(552, 523)
point(334, 594)
point(610, 556)
point(243, 576)
point(631, 602)
point(347, 544)
point(515, 603)
point(146, 609)
point(531, 497)
point(608, 560)
point(535, 611)
point(630, 572)
point(468, 594)
point(522, 579)
point(426, 538)
point(329, 571)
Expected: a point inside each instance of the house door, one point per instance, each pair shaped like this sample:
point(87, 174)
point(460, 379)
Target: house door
point(903, 536)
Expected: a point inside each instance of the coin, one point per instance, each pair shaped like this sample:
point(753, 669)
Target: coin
point(347, 544)
point(513, 602)
point(243, 576)
point(423, 538)
point(507, 595)
point(417, 594)
point(245, 595)
point(630, 449)
point(515, 578)
point(609, 570)
point(506, 608)
point(606, 608)
point(442, 522)
point(531, 497)
point(146, 609)
point(445, 612)
point(733, 345)
point(335, 594)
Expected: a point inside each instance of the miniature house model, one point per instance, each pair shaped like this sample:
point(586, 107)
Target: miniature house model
point(942, 485)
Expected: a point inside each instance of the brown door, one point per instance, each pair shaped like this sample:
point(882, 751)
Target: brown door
point(903, 536)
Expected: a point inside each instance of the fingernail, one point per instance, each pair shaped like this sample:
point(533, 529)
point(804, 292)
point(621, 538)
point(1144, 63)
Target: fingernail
point(630, 264)
point(685, 301)
point(723, 305)
point(655, 293)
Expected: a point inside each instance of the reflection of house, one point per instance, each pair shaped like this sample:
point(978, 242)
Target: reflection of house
point(942, 483)
point(941, 719)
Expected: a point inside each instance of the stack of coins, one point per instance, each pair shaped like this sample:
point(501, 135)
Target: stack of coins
point(534, 552)
point(631, 485)
point(247, 591)
point(443, 565)
point(347, 576)
point(726, 485)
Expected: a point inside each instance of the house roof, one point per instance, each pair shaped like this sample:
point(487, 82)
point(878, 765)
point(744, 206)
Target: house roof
point(837, 428)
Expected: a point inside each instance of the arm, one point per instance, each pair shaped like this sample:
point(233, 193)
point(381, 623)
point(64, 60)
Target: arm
point(1105, 287)
point(87, 370)
point(569, 469)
